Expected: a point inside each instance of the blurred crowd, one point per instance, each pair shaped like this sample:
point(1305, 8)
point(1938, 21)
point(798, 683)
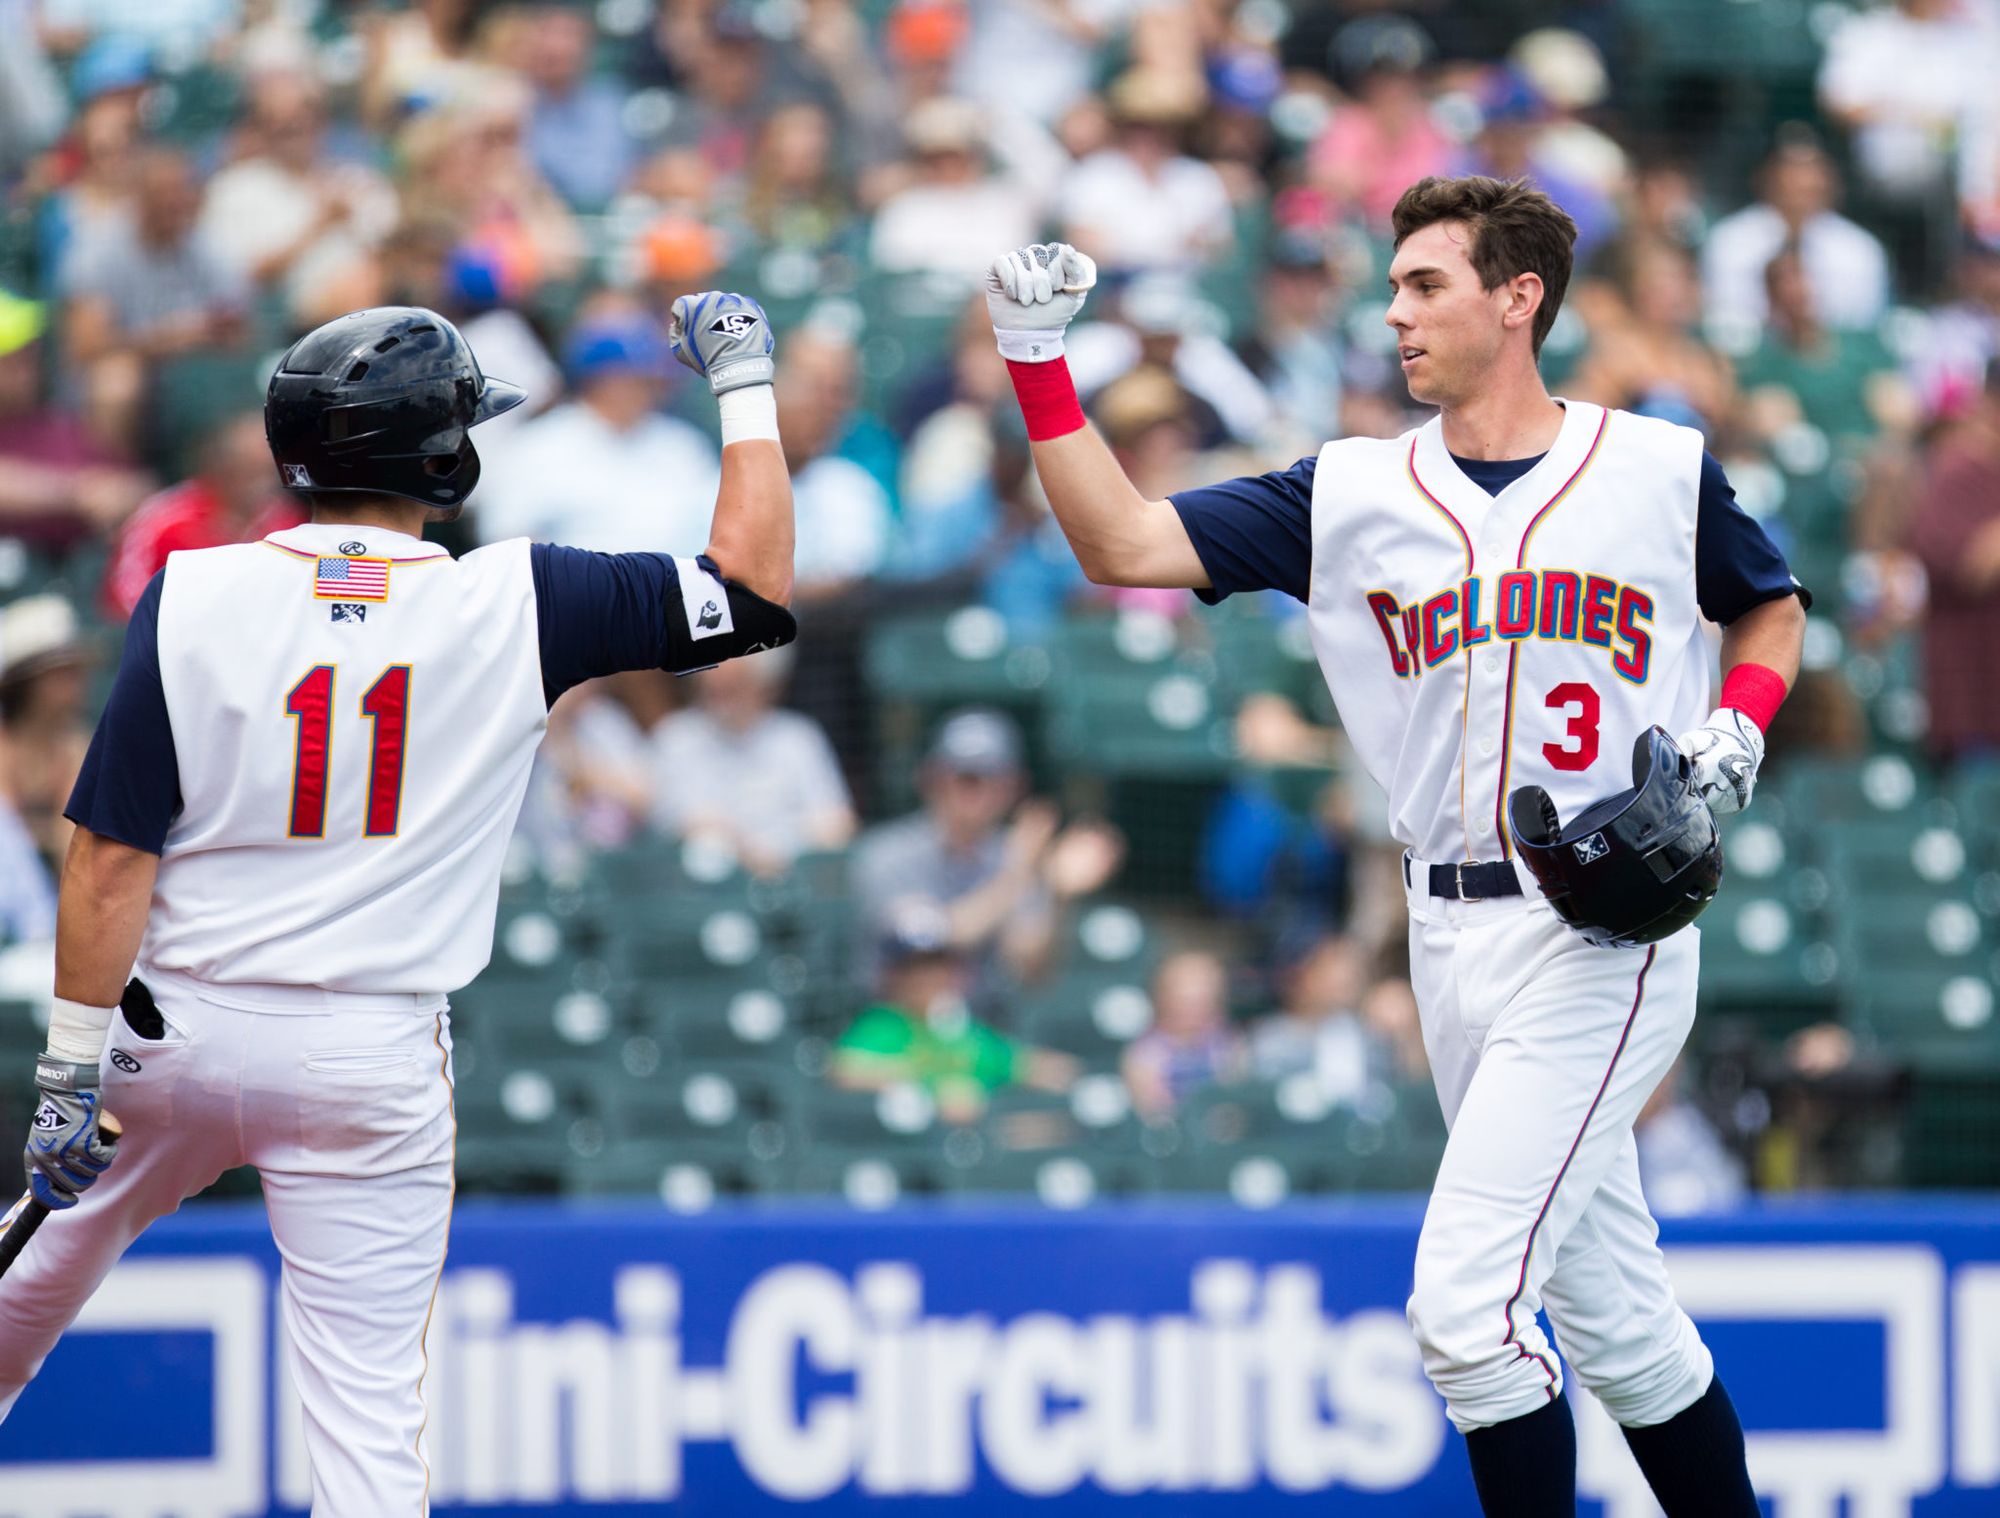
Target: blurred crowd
point(188, 185)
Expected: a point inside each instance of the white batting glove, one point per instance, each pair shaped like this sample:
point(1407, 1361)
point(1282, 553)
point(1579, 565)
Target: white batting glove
point(1725, 753)
point(1032, 294)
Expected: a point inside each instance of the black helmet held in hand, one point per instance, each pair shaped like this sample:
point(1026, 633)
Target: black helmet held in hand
point(381, 402)
point(1634, 867)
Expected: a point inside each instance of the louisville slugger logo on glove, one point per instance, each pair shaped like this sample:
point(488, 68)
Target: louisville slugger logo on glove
point(723, 336)
point(67, 1147)
point(1724, 755)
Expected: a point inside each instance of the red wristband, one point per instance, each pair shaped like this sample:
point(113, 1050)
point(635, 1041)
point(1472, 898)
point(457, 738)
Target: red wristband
point(1755, 690)
point(1048, 398)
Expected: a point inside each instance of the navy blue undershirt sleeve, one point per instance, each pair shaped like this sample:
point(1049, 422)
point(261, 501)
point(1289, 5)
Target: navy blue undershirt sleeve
point(1253, 533)
point(1736, 565)
point(600, 613)
point(130, 786)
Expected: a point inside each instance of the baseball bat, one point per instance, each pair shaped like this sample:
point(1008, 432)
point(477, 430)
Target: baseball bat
point(15, 1239)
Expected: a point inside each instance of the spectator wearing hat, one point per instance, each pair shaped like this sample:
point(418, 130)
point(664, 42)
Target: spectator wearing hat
point(1384, 139)
point(576, 128)
point(737, 770)
point(58, 484)
point(43, 664)
point(955, 209)
point(288, 218)
point(1143, 203)
point(921, 1030)
point(998, 864)
point(146, 291)
point(233, 497)
point(1844, 263)
point(1956, 534)
point(92, 168)
point(607, 470)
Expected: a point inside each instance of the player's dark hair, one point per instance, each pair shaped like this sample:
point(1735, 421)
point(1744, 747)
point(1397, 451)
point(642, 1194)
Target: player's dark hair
point(1516, 229)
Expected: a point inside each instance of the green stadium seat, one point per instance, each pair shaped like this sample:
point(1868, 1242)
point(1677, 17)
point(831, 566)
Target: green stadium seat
point(1060, 1178)
point(719, 1019)
point(685, 1177)
point(1319, 1146)
point(1817, 791)
point(961, 657)
point(1090, 1018)
point(542, 932)
point(1165, 724)
point(517, 1125)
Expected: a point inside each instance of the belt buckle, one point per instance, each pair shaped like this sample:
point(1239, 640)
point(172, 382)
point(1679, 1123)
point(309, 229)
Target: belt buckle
point(1458, 878)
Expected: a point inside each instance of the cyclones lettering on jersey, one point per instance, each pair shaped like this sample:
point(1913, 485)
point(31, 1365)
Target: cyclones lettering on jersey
point(1560, 605)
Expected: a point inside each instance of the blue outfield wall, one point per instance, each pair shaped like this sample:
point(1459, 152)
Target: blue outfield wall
point(1145, 1359)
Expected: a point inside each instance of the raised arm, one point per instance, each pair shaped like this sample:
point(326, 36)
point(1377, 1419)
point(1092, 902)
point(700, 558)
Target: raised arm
point(1119, 537)
point(727, 339)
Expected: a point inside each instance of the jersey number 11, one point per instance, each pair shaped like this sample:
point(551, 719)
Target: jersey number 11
point(387, 706)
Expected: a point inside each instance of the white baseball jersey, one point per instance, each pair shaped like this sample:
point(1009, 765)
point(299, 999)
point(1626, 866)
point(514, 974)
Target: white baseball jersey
point(1475, 642)
point(338, 726)
point(1484, 625)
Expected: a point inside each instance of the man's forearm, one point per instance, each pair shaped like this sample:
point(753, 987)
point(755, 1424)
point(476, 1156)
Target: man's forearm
point(107, 890)
point(752, 535)
point(1771, 634)
point(1118, 536)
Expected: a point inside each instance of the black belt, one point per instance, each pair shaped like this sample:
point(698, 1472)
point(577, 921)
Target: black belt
point(1472, 882)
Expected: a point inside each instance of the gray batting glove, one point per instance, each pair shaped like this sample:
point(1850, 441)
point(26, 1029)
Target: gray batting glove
point(724, 336)
point(67, 1150)
point(1725, 753)
point(1032, 294)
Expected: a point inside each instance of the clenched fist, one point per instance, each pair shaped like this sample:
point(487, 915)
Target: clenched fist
point(1032, 294)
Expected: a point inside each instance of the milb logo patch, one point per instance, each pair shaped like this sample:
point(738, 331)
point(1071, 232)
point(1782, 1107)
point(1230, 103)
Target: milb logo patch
point(1592, 849)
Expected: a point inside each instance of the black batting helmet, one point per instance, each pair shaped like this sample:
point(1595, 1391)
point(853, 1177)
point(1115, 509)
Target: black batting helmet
point(381, 402)
point(1633, 867)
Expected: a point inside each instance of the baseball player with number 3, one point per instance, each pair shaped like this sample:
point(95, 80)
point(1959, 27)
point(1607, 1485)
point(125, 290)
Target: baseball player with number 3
point(290, 830)
point(1506, 603)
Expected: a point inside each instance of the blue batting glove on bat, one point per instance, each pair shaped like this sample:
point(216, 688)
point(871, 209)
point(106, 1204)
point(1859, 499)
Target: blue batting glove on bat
point(723, 336)
point(67, 1149)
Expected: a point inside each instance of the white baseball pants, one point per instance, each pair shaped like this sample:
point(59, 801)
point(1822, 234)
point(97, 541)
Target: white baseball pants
point(343, 1103)
point(1544, 1049)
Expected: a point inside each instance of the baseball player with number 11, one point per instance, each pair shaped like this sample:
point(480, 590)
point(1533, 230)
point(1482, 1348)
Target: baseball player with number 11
point(290, 828)
point(1505, 602)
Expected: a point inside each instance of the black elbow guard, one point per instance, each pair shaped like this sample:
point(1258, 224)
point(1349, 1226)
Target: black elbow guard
point(719, 619)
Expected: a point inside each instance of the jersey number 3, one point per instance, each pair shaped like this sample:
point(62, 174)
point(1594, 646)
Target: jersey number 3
point(1580, 703)
point(387, 706)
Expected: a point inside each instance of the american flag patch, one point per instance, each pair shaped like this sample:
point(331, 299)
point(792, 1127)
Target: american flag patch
point(347, 579)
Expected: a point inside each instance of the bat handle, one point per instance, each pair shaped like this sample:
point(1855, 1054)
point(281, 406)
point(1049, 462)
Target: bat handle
point(15, 1239)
